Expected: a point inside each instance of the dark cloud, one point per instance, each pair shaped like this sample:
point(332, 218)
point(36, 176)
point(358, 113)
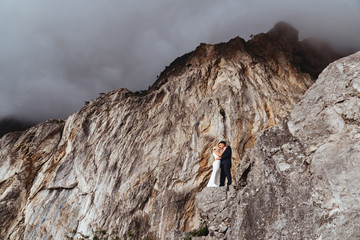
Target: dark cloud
point(54, 55)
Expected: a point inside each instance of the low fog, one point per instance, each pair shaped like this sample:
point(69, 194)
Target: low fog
point(54, 55)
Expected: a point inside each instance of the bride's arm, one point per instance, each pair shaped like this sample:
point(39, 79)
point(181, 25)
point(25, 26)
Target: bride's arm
point(218, 153)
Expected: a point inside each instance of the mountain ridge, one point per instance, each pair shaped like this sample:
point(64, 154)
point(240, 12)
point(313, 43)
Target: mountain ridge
point(282, 32)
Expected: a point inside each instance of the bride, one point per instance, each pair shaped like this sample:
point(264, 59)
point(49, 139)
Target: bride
point(215, 175)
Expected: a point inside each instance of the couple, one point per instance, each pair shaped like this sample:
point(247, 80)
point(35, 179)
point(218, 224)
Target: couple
point(221, 166)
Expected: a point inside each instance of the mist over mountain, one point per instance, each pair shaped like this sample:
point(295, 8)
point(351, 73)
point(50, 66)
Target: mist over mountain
point(55, 55)
point(9, 124)
point(311, 55)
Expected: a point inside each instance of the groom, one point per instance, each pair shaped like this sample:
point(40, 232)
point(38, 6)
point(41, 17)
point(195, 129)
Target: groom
point(225, 164)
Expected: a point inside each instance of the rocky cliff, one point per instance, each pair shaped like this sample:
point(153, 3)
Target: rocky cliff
point(129, 165)
point(301, 178)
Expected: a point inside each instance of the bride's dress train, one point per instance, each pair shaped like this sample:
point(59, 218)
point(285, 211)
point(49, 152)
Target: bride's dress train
point(215, 175)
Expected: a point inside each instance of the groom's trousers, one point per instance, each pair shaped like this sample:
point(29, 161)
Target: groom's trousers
point(225, 166)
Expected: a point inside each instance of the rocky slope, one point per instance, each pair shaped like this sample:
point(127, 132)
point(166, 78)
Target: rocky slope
point(129, 165)
point(301, 178)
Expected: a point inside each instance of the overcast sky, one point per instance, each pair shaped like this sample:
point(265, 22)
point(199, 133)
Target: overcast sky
point(56, 54)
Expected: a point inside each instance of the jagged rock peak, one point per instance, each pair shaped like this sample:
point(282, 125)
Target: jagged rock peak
point(284, 30)
point(277, 46)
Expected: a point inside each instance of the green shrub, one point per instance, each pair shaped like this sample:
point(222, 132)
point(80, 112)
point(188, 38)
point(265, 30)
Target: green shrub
point(203, 231)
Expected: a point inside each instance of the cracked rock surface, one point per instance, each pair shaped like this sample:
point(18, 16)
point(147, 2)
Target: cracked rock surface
point(301, 178)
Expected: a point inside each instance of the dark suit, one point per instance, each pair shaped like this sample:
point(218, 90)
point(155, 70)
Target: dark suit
point(225, 165)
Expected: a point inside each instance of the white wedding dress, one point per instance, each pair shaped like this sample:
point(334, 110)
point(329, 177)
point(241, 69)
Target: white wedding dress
point(215, 175)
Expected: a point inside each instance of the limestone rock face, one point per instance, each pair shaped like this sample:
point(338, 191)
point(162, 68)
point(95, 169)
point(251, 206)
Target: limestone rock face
point(129, 165)
point(301, 178)
point(22, 155)
point(334, 145)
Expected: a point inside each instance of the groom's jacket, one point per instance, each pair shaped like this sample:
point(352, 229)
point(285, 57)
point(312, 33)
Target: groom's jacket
point(227, 154)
